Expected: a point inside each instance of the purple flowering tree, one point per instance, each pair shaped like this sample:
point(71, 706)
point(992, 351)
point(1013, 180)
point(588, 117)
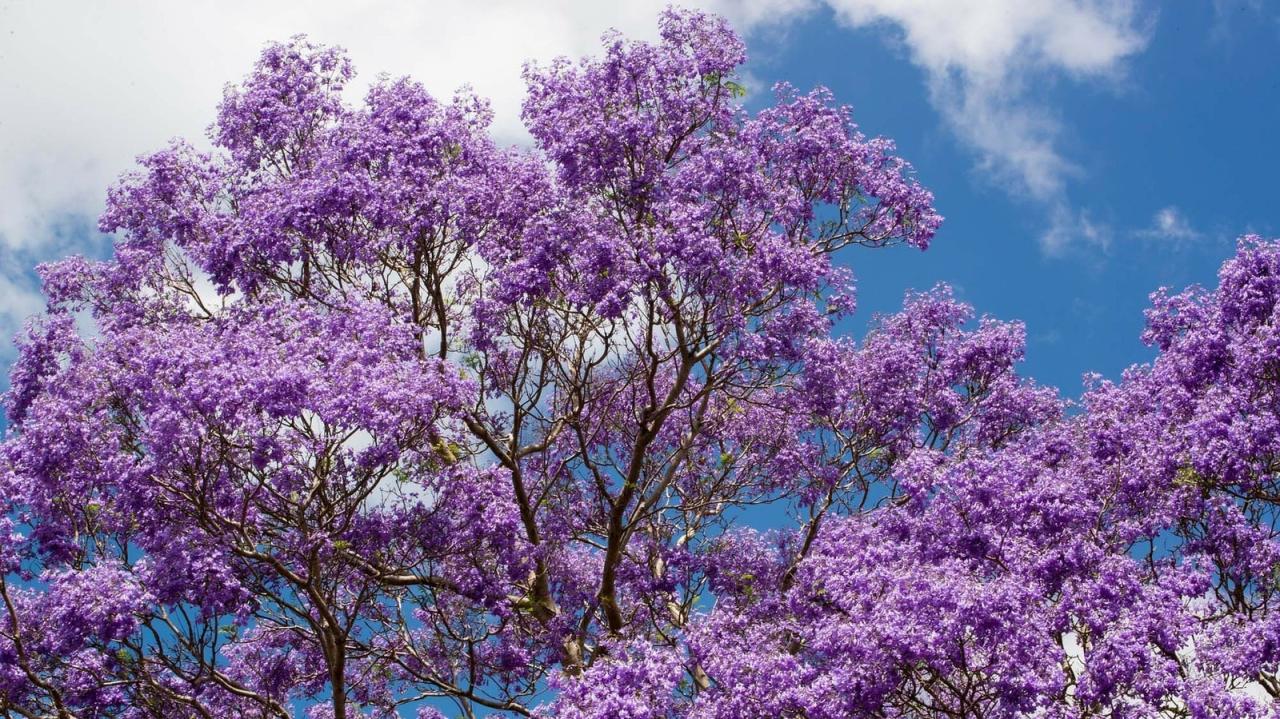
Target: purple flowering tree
point(370, 417)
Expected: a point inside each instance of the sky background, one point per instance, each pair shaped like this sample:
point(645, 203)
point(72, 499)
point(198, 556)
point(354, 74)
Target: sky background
point(1083, 153)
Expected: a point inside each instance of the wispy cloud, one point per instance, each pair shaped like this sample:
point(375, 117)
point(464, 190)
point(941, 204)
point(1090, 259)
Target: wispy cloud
point(20, 297)
point(986, 59)
point(1226, 13)
point(1170, 229)
point(1075, 232)
point(1169, 224)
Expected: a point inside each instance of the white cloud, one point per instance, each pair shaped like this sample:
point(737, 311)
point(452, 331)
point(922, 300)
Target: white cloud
point(984, 59)
point(1171, 227)
point(1074, 231)
point(19, 300)
point(88, 86)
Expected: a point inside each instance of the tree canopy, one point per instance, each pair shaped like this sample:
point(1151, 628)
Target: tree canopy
point(368, 416)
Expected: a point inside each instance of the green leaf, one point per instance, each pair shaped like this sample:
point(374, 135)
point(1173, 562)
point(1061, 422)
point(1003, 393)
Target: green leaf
point(447, 451)
point(1187, 476)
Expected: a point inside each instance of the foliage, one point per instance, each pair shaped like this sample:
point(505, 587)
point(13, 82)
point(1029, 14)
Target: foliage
point(378, 418)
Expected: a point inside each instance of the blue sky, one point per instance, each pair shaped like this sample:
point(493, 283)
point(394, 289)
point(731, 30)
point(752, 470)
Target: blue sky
point(1084, 153)
point(1174, 153)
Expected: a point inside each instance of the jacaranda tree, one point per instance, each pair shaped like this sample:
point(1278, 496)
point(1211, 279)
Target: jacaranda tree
point(370, 417)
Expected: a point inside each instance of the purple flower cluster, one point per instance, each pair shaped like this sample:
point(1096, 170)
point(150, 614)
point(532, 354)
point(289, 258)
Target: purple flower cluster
point(370, 417)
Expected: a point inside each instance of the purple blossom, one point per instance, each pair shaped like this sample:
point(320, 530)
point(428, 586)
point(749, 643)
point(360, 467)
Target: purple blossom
point(376, 416)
